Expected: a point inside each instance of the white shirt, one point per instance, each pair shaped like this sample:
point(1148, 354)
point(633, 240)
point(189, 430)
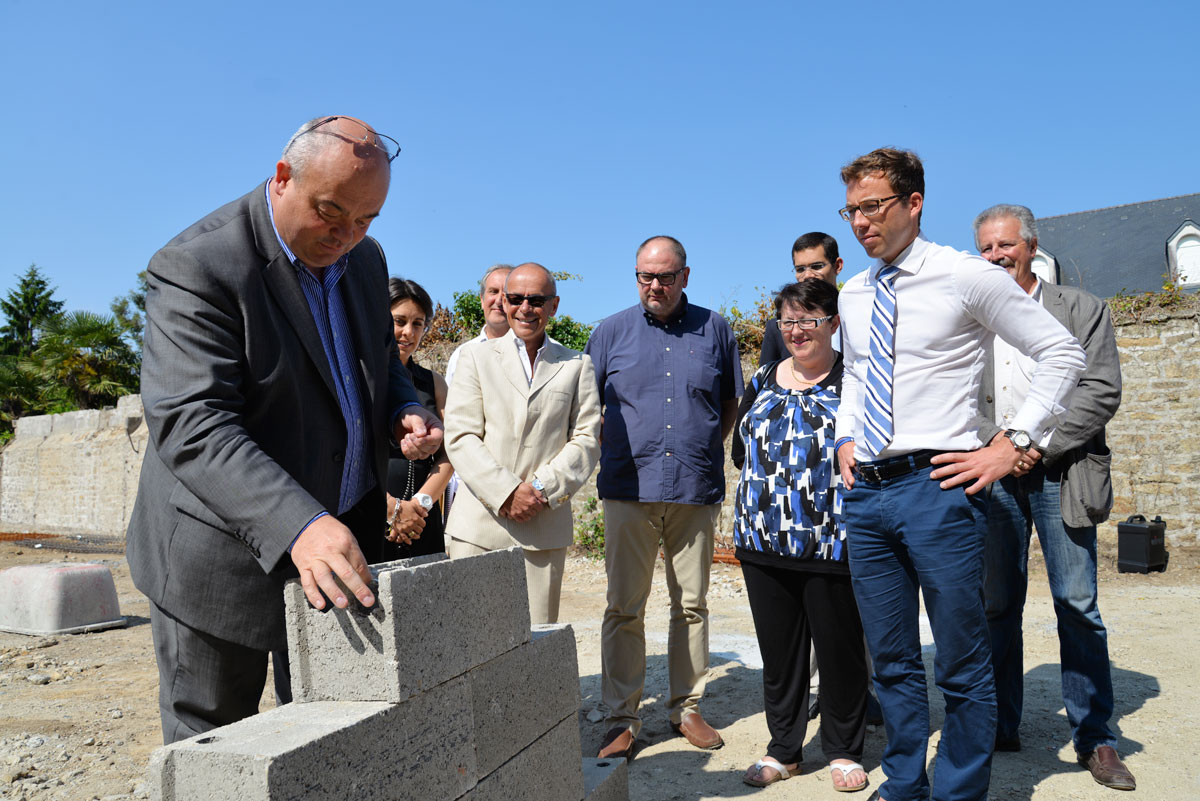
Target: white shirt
point(450, 365)
point(523, 355)
point(1012, 374)
point(949, 306)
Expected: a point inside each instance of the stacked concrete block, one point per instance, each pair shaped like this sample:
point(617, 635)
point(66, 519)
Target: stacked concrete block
point(440, 692)
point(365, 750)
point(605, 780)
point(434, 619)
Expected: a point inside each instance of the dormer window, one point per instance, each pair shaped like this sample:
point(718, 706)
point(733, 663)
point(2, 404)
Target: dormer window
point(1183, 255)
point(1045, 266)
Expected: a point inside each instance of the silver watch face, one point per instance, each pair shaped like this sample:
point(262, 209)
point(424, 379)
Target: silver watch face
point(537, 484)
point(424, 499)
point(1020, 439)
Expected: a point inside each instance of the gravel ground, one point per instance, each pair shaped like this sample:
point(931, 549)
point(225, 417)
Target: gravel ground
point(78, 715)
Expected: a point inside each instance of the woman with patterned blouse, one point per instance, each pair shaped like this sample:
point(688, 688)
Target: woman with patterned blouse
point(792, 545)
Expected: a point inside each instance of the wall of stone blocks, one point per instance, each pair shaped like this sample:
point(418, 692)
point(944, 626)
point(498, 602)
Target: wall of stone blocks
point(74, 473)
point(1155, 435)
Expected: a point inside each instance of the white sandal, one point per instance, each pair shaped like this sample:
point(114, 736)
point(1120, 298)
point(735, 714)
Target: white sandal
point(767, 762)
point(846, 770)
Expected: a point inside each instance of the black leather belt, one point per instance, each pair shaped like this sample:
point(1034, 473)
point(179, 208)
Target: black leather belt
point(895, 467)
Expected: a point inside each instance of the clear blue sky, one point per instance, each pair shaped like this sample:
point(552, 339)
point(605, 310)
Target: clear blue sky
point(567, 132)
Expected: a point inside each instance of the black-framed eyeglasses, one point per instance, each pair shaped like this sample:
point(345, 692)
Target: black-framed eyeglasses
point(664, 279)
point(536, 301)
point(806, 323)
point(355, 131)
point(869, 207)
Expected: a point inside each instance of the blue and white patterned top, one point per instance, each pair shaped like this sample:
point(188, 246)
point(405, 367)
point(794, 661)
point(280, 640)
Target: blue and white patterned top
point(788, 502)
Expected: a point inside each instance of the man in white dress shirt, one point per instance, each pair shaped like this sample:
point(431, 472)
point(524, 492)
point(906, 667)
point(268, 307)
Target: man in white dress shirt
point(495, 321)
point(916, 326)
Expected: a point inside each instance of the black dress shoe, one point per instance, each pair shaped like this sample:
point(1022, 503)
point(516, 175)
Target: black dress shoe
point(1003, 743)
point(814, 706)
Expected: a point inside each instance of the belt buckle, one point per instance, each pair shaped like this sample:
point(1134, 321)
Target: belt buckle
point(870, 472)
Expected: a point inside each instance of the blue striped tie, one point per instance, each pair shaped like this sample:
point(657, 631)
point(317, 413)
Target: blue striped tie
point(878, 428)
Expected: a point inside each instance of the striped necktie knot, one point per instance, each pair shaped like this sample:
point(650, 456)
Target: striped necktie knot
point(877, 428)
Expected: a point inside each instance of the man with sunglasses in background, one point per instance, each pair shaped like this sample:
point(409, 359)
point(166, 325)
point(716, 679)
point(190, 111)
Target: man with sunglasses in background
point(522, 430)
point(814, 255)
point(271, 384)
point(916, 327)
point(669, 379)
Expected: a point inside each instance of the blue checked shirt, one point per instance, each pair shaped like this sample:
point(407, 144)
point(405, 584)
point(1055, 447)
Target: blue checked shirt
point(325, 302)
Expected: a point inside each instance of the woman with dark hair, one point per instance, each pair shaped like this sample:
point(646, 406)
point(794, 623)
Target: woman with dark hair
point(792, 545)
point(415, 523)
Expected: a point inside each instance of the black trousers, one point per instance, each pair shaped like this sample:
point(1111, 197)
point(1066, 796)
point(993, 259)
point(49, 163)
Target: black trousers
point(792, 608)
point(205, 682)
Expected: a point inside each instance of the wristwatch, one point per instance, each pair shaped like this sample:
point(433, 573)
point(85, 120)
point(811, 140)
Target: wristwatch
point(537, 484)
point(1020, 439)
point(424, 500)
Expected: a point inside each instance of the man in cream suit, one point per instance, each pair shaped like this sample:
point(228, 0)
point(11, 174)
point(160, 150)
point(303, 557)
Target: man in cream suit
point(522, 431)
point(1063, 488)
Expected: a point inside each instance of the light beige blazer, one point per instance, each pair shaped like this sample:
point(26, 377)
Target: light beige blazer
point(501, 431)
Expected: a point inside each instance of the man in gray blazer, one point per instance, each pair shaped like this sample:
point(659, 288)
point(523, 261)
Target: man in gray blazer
point(271, 382)
point(1062, 487)
point(522, 430)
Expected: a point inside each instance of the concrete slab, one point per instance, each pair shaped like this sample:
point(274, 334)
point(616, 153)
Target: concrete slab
point(520, 695)
point(548, 770)
point(58, 598)
point(605, 779)
point(420, 750)
point(433, 619)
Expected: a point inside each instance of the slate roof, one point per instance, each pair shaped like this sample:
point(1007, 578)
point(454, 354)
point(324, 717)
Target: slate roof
point(1118, 249)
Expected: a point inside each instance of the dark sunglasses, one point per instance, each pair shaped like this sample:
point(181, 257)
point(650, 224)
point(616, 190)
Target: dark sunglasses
point(536, 301)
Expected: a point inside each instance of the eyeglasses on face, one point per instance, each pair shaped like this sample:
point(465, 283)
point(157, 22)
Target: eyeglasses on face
point(536, 301)
point(869, 207)
point(664, 279)
point(355, 131)
point(816, 266)
point(805, 324)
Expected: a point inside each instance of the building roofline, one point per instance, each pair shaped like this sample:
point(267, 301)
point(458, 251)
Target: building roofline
point(1119, 206)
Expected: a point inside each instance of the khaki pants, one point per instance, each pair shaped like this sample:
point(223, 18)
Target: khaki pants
point(632, 532)
point(543, 574)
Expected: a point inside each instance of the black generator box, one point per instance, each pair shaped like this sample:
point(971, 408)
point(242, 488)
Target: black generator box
point(1141, 545)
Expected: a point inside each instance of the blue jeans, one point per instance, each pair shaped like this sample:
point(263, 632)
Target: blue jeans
point(907, 534)
point(1017, 506)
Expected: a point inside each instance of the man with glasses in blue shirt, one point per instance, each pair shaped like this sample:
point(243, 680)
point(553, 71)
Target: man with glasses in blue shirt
point(669, 379)
point(271, 383)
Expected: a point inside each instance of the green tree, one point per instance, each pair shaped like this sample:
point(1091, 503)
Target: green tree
point(25, 307)
point(569, 331)
point(468, 312)
point(87, 356)
point(130, 311)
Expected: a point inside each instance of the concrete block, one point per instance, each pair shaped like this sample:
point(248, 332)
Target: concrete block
point(548, 770)
point(520, 695)
point(362, 750)
point(605, 779)
point(433, 619)
point(39, 426)
point(58, 598)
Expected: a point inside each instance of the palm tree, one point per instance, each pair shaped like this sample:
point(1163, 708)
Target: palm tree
point(86, 355)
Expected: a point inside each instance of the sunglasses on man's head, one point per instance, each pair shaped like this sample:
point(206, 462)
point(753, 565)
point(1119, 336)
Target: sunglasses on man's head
point(536, 301)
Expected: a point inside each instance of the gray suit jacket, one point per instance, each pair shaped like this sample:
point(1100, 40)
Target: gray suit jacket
point(246, 437)
point(1077, 447)
point(501, 431)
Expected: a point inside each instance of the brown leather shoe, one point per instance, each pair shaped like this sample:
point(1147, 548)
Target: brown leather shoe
point(1108, 769)
point(618, 742)
point(697, 732)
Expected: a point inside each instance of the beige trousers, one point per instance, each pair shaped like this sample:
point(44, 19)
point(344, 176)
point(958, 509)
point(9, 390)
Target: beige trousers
point(632, 532)
point(543, 574)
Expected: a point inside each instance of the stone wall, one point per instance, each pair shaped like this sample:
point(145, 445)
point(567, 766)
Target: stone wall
point(1155, 436)
point(77, 472)
point(73, 473)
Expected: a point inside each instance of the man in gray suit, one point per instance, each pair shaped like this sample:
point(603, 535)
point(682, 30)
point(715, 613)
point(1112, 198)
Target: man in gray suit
point(1062, 486)
point(271, 382)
